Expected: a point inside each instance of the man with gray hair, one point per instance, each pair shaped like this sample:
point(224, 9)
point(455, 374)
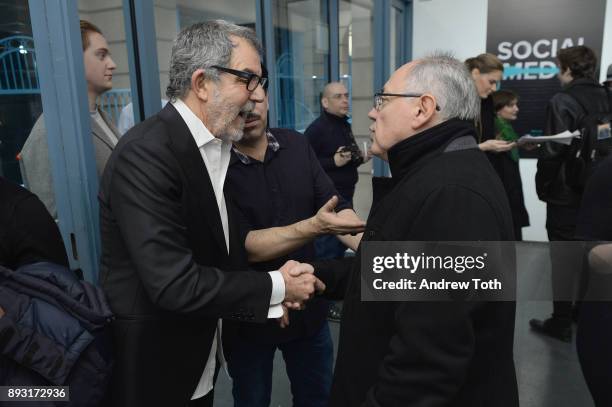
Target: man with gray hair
point(169, 235)
point(409, 353)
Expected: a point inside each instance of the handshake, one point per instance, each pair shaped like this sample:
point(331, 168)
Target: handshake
point(300, 284)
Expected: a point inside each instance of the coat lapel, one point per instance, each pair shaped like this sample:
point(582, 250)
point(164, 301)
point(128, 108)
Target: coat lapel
point(101, 134)
point(199, 184)
point(110, 124)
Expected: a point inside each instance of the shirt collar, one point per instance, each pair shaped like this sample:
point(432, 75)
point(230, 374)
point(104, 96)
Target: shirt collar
point(198, 130)
point(273, 145)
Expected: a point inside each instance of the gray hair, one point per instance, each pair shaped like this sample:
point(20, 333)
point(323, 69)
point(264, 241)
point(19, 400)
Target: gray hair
point(201, 46)
point(449, 81)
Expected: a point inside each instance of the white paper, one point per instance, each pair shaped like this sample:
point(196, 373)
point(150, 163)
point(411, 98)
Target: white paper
point(565, 137)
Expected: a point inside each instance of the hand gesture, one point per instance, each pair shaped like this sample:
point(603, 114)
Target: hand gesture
point(328, 221)
point(496, 146)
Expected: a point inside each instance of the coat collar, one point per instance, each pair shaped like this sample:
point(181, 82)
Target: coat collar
point(415, 150)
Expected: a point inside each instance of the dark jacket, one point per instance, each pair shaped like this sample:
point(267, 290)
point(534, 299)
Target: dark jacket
point(453, 354)
point(565, 113)
point(54, 332)
point(326, 134)
point(28, 234)
point(287, 187)
point(164, 263)
point(507, 169)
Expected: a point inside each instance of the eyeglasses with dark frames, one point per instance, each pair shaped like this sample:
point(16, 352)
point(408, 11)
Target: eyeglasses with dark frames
point(251, 80)
point(379, 98)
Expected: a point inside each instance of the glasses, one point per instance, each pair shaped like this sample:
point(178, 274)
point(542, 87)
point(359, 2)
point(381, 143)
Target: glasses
point(379, 98)
point(251, 80)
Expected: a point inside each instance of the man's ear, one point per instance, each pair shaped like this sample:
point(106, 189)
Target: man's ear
point(200, 84)
point(325, 102)
point(425, 111)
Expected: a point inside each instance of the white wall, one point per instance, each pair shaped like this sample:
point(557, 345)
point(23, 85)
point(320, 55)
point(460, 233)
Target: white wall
point(461, 27)
point(449, 25)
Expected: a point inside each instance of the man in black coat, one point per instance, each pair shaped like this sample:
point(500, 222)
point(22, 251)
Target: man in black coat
point(332, 140)
point(169, 236)
point(428, 353)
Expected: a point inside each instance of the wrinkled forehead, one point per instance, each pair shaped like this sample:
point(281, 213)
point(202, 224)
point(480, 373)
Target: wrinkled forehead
point(244, 56)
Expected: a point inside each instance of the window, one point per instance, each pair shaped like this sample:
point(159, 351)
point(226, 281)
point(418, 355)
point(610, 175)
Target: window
point(301, 45)
point(356, 40)
point(20, 103)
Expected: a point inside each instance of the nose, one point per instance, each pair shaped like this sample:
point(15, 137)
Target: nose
point(372, 114)
point(111, 64)
point(258, 94)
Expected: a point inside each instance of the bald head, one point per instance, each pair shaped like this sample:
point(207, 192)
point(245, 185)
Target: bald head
point(335, 99)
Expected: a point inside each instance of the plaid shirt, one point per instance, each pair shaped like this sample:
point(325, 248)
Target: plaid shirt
point(272, 144)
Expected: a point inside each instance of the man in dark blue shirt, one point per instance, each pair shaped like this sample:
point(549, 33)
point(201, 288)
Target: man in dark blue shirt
point(332, 140)
point(278, 186)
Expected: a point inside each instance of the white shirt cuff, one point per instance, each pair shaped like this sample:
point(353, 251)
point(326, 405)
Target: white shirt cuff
point(275, 311)
point(278, 287)
point(278, 294)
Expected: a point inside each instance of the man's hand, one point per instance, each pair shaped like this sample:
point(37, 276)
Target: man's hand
point(327, 221)
point(341, 157)
point(284, 320)
point(496, 146)
point(1, 312)
point(300, 283)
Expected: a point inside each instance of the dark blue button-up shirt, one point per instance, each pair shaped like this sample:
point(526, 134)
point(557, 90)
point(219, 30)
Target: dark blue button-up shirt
point(287, 187)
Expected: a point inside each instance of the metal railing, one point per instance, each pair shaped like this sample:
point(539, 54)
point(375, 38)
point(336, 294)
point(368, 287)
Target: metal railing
point(19, 76)
point(18, 73)
point(113, 101)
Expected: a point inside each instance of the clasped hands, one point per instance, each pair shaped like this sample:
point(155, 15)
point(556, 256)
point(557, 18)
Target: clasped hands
point(300, 286)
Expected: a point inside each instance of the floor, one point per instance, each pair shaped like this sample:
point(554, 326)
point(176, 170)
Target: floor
point(548, 371)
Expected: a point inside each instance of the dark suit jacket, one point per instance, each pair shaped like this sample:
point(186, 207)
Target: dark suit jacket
point(434, 354)
point(164, 264)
